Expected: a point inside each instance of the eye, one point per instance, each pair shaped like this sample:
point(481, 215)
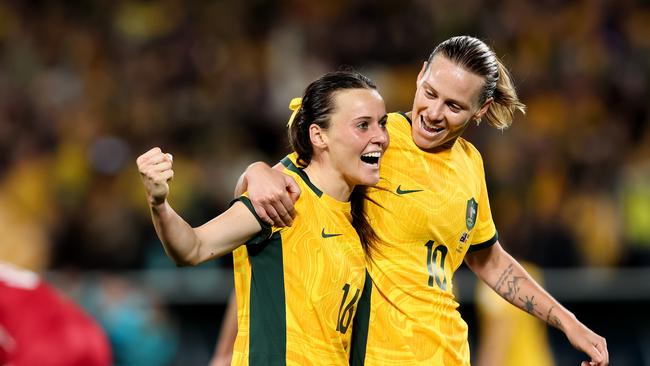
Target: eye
point(430, 94)
point(454, 107)
point(363, 125)
point(383, 121)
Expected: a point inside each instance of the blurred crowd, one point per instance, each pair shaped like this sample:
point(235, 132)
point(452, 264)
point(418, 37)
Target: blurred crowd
point(85, 87)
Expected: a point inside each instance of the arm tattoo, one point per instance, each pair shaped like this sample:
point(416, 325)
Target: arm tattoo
point(548, 316)
point(553, 320)
point(502, 278)
point(511, 284)
point(529, 304)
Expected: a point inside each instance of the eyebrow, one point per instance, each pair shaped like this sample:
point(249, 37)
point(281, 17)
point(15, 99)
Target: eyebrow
point(461, 104)
point(365, 118)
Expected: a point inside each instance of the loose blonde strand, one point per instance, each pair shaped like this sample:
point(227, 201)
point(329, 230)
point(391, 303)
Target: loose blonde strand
point(506, 103)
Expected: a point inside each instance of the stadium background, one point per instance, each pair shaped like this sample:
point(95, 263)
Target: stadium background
point(85, 87)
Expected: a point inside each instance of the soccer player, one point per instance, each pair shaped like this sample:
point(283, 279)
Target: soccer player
point(297, 288)
point(40, 326)
point(432, 214)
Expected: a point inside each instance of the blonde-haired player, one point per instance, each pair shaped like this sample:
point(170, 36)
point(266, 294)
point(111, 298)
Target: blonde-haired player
point(433, 213)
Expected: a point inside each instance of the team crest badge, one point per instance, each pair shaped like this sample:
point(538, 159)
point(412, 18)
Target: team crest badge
point(470, 213)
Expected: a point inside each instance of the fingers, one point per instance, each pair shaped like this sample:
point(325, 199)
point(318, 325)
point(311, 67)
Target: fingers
point(601, 347)
point(598, 353)
point(166, 175)
point(294, 192)
point(153, 156)
point(273, 215)
point(155, 169)
point(261, 213)
point(284, 217)
point(144, 157)
point(272, 212)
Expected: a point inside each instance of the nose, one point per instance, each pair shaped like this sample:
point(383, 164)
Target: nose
point(379, 136)
point(435, 111)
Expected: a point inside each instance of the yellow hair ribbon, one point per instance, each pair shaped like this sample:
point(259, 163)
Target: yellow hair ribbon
point(294, 105)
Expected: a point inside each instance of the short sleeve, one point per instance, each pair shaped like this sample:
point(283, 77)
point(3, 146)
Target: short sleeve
point(267, 230)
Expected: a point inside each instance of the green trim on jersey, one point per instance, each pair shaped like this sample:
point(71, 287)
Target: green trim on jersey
point(405, 117)
point(268, 323)
point(266, 231)
point(361, 324)
point(292, 167)
point(483, 245)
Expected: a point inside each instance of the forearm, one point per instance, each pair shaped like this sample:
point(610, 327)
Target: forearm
point(178, 238)
point(512, 282)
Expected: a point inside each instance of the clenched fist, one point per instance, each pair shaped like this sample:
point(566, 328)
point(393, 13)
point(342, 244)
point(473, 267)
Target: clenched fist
point(155, 169)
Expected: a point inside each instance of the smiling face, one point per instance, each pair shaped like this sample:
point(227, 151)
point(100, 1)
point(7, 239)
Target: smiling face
point(357, 137)
point(446, 100)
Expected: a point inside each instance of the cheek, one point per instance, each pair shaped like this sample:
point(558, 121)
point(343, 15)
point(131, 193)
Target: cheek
point(419, 102)
point(458, 122)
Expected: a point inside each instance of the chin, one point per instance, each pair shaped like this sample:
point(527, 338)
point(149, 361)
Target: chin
point(424, 143)
point(371, 180)
point(367, 180)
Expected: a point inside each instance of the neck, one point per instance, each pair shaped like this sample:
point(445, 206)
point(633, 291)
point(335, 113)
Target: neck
point(328, 180)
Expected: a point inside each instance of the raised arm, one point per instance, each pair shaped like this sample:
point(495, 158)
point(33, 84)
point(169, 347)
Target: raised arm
point(184, 244)
point(271, 191)
point(508, 278)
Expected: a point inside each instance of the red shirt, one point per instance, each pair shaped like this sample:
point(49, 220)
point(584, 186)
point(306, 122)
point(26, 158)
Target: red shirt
point(41, 327)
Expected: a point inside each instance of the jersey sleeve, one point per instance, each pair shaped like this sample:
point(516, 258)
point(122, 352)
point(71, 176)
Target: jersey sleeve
point(267, 230)
point(485, 234)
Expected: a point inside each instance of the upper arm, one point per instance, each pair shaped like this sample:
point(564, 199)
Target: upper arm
point(226, 232)
point(483, 260)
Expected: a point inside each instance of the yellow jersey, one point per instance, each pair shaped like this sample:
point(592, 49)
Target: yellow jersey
point(432, 208)
point(297, 288)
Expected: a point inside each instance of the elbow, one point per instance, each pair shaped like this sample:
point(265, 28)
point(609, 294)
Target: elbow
point(184, 263)
point(189, 260)
point(194, 257)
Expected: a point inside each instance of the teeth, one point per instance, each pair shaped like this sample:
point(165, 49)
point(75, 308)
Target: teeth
point(429, 126)
point(375, 154)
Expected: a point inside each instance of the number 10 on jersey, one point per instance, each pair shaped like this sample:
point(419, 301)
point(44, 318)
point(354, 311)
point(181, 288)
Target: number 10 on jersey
point(436, 264)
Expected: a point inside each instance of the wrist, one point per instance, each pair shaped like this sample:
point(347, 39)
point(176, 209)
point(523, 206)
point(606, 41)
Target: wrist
point(158, 206)
point(565, 321)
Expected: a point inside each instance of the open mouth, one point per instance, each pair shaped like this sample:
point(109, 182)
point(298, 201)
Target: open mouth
point(429, 128)
point(371, 158)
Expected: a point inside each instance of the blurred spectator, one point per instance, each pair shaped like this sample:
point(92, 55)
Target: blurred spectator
point(83, 89)
point(634, 198)
point(39, 326)
point(138, 327)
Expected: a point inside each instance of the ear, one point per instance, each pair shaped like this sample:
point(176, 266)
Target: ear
point(484, 108)
point(317, 136)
